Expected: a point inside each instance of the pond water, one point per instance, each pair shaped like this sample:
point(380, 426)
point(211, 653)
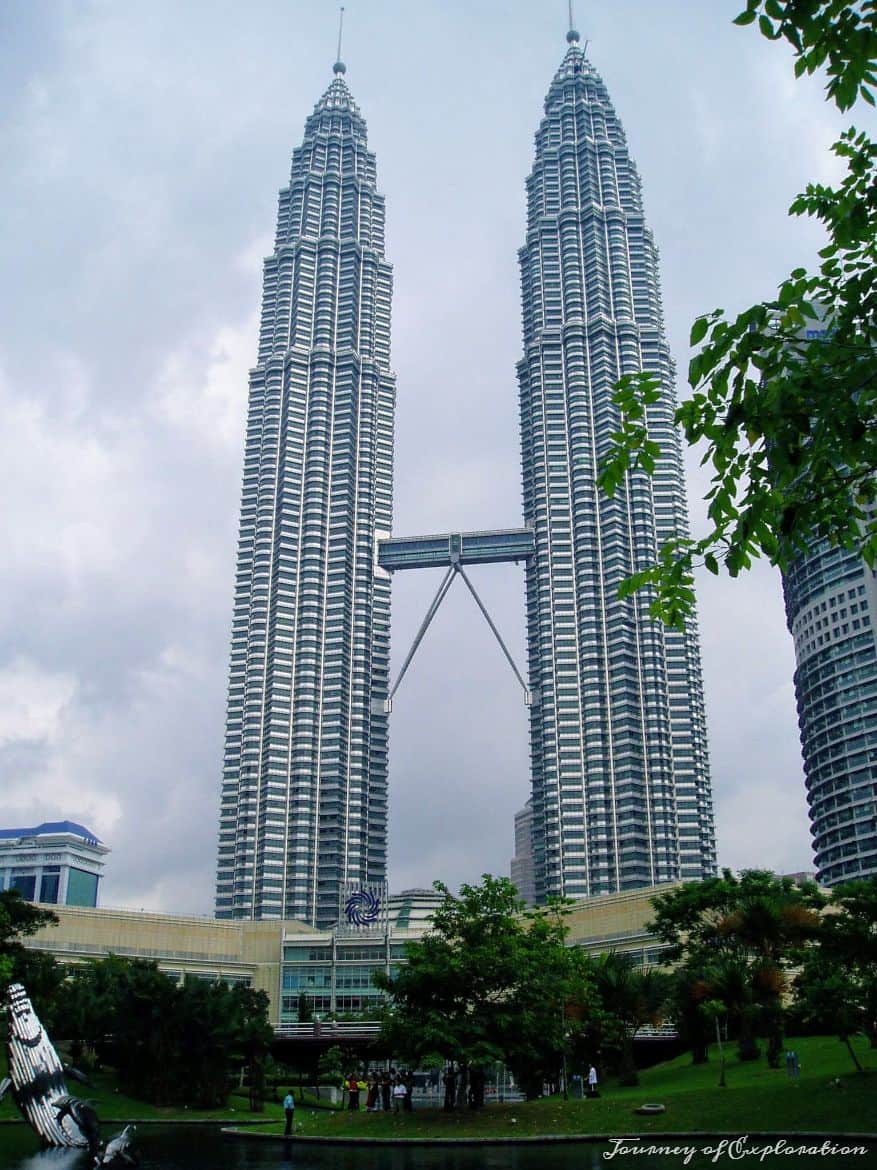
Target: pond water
point(205, 1148)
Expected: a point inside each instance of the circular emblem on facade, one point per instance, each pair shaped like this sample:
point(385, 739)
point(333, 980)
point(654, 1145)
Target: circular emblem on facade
point(362, 908)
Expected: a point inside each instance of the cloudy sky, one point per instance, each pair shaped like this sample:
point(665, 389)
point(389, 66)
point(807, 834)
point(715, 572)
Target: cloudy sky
point(143, 145)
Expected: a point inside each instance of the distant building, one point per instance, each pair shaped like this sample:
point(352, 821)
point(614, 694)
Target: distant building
point(522, 869)
point(831, 612)
point(333, 969)
point(57, 862)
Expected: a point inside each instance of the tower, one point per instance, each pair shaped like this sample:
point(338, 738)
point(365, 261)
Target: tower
point(304, 789)
point(621, 791)
point(831, 611)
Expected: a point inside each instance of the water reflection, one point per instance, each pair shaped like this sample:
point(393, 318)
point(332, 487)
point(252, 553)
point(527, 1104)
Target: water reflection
point(54, 1160)
point(205, 1148)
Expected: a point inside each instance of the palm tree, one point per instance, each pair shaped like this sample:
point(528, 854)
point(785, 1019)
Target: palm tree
point(730, 981)
point(631, 997)
point(690, 989)
point(770, 927)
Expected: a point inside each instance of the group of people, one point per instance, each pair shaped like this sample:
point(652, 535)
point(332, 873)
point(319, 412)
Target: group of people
point(386, 1089)
point(380, 1090)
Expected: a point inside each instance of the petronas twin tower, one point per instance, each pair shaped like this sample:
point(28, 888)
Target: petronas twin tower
point(621, 792)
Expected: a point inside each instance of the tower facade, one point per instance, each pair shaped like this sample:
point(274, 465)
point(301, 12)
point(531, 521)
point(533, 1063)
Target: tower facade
point(521, 869)
point(621, 789)
point(304, 788)
point(831, 611)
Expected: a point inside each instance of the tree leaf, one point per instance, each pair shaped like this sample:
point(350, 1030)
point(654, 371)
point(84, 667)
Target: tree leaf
point(698, 330)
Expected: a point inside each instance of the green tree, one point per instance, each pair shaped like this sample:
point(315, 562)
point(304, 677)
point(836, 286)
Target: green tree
point(42, 977)
point(784, 396)
point(847, 944)
point(18, 919)
point(170, 1044)
point(487, 984)
point(330, 1069)
point(253, 1036)
point(630, 998)
point(745, 933)
point(689, 991)
point(730, 982)
point(714, 1011)
point(830, 997)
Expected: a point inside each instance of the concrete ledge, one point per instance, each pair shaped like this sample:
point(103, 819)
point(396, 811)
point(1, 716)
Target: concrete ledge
point(531, 1139)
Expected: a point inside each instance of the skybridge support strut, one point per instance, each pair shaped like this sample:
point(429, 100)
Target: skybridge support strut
point(496, 633)
point(447, 582)
point(386, 705)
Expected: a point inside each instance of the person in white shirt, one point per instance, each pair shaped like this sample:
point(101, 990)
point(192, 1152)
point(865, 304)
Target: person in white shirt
point(398, 1094)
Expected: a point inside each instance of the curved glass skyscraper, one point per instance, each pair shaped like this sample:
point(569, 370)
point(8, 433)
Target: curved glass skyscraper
point(621, 789)
point(831, 610)
point(304, 791)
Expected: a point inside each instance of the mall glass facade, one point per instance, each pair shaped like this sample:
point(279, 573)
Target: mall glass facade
point(334, 970)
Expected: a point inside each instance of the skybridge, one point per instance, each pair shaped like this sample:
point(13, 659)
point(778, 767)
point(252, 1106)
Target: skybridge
point(449, 548)
point(451, 551)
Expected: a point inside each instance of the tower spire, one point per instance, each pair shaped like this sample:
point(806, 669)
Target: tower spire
point(339, 66)
point(573, 35)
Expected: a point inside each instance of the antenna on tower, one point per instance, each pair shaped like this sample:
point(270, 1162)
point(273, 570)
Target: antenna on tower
point(573, 35)
point(339, 66)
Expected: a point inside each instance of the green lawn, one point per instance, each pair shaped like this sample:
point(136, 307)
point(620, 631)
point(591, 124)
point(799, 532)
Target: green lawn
point(113, 1105)
point(757, 1100)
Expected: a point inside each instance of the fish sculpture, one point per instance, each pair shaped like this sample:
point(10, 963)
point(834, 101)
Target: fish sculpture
point(121, 1146)
point(36, 1077)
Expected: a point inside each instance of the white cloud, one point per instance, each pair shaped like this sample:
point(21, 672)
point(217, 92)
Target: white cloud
point(32, 702)
point(202, 388)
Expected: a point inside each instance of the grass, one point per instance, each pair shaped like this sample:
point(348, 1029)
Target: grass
point(113, 1105)
point(757, 1100)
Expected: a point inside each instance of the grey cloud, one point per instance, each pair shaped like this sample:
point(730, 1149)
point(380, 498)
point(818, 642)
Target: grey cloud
point(145, 144)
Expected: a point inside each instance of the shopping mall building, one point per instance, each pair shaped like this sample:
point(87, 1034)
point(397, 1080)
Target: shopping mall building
point(332, 968)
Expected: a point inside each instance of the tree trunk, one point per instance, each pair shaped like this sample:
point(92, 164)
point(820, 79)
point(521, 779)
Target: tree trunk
point(722, 1084)
point(476, 1088)
point(463, 1087)
point(774, 1047)
point(628, 1075)
point(747, 1049)
point(852, 1053)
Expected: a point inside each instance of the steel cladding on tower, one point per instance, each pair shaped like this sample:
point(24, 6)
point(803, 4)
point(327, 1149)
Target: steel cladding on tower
point(621, 789)
point(304, 791)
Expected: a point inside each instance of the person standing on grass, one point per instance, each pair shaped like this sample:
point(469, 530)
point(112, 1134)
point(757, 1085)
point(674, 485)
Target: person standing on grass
point(289, 1110)
point(450, 1083)
point(386, 1087)
point(374, 1088)
point(353, 1093)
point(398, 1094)
point(592, 1082)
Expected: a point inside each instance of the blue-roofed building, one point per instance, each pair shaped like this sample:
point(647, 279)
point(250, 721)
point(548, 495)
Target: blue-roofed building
point(59, 863)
